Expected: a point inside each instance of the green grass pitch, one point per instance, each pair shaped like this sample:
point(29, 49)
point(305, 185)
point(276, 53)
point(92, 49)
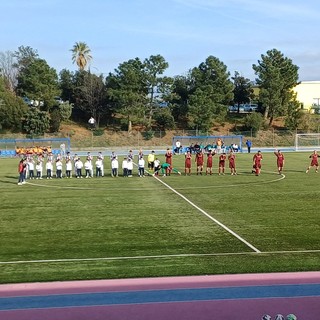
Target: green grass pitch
point(102, 228)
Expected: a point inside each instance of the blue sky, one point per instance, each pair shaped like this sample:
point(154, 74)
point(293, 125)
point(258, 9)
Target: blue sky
point(184, 32)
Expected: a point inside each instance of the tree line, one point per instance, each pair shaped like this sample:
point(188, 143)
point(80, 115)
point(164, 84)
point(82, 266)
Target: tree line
point(137, 92)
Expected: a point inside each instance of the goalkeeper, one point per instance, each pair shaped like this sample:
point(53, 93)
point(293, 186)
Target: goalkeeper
point(165, 167)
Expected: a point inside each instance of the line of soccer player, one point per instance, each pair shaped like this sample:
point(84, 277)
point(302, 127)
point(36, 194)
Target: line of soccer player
point(231, 158)
point(28, 165)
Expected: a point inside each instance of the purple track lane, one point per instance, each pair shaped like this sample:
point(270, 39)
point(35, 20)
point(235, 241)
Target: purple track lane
point(220, 297)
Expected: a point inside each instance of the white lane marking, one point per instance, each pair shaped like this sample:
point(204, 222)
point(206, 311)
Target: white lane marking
point(210, 217)
point(182, 255)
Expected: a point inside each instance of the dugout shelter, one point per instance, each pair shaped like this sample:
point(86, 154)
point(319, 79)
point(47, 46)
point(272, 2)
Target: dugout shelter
point(9, 147)
point(207, 142)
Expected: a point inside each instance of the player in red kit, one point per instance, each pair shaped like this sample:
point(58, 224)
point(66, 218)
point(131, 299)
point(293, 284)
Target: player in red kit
point(280, 160)
point(199, 161)
point(257, 158)
point(168, 157)
point(187, 163)
point(314, 161)
point(210, 155)
point(222, 163)
point(232, 163)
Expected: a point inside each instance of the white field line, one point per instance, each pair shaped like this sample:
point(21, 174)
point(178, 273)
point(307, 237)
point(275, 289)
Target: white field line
point(211, 218)
point(182, 255)
point(257, 183)
point(166, 256)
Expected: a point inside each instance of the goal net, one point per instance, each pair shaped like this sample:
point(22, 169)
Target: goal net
point(307, 141)
point(17, 147)
point(217, 143)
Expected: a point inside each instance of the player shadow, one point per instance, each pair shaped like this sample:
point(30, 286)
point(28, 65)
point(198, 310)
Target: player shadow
point(13, 180)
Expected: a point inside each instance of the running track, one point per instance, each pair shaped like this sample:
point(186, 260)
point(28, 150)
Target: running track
point(219, 297)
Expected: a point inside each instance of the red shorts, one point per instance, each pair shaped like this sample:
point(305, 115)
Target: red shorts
point(222, 164)
point(188, 164)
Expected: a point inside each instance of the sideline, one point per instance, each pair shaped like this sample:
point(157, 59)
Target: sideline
point(180, 255)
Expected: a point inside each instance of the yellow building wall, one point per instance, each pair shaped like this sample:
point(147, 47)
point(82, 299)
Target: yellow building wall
point(308, 93)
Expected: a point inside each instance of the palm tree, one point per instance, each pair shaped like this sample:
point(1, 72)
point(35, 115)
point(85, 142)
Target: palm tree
point(81, 54)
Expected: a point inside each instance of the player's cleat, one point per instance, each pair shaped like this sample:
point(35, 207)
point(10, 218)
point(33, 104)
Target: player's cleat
point(291, 316)
point(179, 173)
point(19, 184)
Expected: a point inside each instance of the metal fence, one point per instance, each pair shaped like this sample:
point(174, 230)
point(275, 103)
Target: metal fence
point(136, 139)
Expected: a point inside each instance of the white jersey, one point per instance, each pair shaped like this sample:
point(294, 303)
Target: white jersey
point(59, 165)
point(114, 164)
point(130, 165)
point(49, 165)
point(156, 163)
point(141, 163)
point(69, 166)
point(99, 163)
point(30, 165)
point(39, 167)
point(125, 164)
point(88, 165)
point(78, 164)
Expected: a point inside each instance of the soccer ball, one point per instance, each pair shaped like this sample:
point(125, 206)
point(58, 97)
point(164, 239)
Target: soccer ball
point(291, 316)
point(279, 317)
point(266, 317)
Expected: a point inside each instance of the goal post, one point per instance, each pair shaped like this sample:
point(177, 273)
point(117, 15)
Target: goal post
point(207, 142)
point(307, 141)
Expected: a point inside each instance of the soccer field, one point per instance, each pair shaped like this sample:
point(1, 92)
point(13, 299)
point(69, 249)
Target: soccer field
point(100, 228)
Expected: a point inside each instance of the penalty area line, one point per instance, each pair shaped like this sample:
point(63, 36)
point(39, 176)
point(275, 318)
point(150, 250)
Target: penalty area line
point(210, 217)
point(166, 256)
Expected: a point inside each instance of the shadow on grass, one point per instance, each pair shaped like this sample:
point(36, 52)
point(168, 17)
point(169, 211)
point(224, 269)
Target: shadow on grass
point(12, 180)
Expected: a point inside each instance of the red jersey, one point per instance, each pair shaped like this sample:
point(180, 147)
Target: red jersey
point(22, 167)
point(257, 160)
point(280, 159)
point(199, 159)
point(232, 161)
point(314, 159)
point(188, 160)
point(222, 160)
point(209, 160)
point(168, 156)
